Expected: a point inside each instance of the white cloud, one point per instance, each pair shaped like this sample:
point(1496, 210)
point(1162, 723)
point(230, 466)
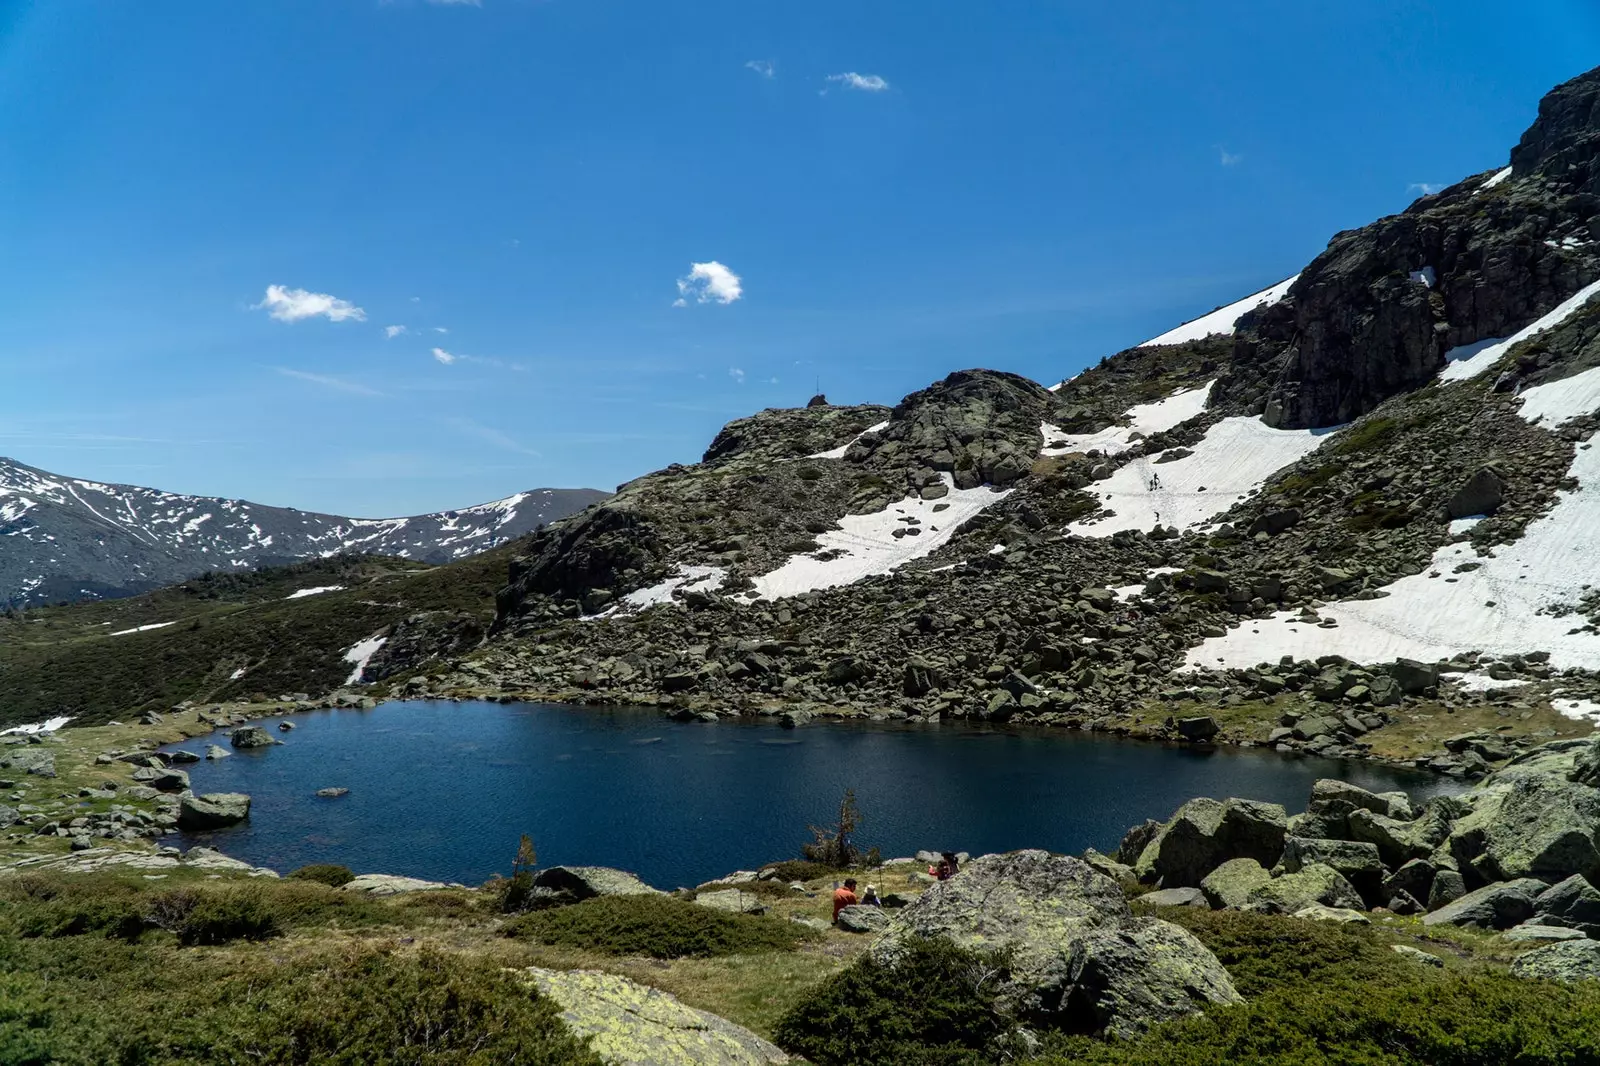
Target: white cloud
point(329, 382)
point(736, 374)
point(1426, 188)
point(291, 305)
point(708, 283)
point(391, 332)
point(867, 83)
point(440, 329)
point(443, 356)
point(767, 68)
point(1227, 158)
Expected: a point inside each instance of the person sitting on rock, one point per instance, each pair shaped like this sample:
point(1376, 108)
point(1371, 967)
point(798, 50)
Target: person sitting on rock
point(869, 897)
point(844, 896)
point(948, 866)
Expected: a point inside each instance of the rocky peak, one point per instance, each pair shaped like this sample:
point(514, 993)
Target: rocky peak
point(1564, 142)
point(792, 432)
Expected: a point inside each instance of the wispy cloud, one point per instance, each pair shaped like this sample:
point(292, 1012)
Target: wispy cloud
point(444, 357)
point(767, 68)
point(708, 283)
point(736, 374)
point(327, 381)
point(490, 435)
point(440, 329)
point(1426, 188)
point(391, 332)
point(292, 305)
point(452, 358)
point(867, 83)
point(1227, 158)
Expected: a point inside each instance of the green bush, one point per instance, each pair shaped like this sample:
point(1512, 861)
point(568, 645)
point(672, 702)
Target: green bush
point(197, 916)
point(324, 873)
point(37, 906)
point(656, 926)
point(933, 1004)
point(801, 870)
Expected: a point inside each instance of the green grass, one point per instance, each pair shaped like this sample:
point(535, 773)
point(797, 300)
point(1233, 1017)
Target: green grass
point(658, 927)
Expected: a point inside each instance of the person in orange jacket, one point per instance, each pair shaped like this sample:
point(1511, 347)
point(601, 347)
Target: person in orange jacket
point(844, 896)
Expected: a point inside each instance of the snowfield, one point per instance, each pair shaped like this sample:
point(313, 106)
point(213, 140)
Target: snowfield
point(1233, 459)
point(1470, 360)
point(142, 629)
point(1143, 419)
point(866, 544)
point(1502, 607)
point(319, 590)
point(1222, 320)
point(50, 725)
point(688, 578)
point(838, 453)
point(360, 655)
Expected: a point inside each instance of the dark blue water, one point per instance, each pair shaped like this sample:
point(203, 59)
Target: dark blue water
point(442, 790)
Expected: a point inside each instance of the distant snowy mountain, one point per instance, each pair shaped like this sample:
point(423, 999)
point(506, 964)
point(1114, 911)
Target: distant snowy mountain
point(65, 538)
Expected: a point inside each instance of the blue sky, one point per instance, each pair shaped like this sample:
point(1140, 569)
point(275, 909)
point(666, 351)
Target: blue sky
point(901, 189)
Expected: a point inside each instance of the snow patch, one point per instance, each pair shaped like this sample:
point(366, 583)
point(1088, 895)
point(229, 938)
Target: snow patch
point(360, 655)
point(1580, 710)
point(142, 629)
point(1498, 177)
point(1222, 320)
point(319, 590)
point(865, 545)
point(1470, 360)
point(688, 578)
point(838, 453)
point(1234, 458)
point(1425, 277)
point(1484, 683)
point(1144, 419)
point(49, 725)
point(237, 674)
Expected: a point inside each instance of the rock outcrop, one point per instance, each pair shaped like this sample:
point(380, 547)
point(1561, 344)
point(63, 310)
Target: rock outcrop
point(214, 810)
point(587, 882)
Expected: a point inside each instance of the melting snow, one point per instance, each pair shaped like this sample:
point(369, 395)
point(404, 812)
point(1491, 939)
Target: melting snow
point(361, 655)
point(838, 453)
point(319, 590)
point(1425, 277)
point(1498, 177)
point(867, 544)
point(1235, 457)
point(1223, 318)
point(49, 725)
point(141, 629)
point(1484, 683)
point(1502, 607)
point(1578, 709)
point(237, 674)
point(1144, 419)
point(688, 578)
point(1470, 360)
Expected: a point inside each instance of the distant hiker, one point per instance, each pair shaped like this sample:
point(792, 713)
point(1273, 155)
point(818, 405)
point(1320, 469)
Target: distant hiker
point(947, 866)
point(844, 896)
point(869, 897)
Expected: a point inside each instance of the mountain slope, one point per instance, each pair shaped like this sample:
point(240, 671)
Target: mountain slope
point(66, 538)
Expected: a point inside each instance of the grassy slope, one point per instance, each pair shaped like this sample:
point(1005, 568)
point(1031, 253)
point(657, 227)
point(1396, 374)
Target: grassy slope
point(65, 660)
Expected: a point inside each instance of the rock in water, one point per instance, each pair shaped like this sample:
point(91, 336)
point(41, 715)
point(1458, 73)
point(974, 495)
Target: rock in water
point(332, 793)
point(632, 1025)
point(214, 810)
point(1042, 908)
point(217, 751)
point(252, 736)
point(1570, 960)
point(1142, 972)
point(587, 882)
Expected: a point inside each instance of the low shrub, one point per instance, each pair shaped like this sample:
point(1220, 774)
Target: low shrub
point(658, 927)
point(933, 1005)
point(324, 873)
point(37, 906)
point(801, 870)
point(195, 916)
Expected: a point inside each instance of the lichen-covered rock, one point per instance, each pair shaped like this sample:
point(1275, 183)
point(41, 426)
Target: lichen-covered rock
point(1530, 820)
point(391, 885)
point(1294, 892)
point(1496, 906)
point(1205, 833)
point(863, 919)
point(1573, 903)
point(1570, 960)
point(1140, 973)
point(252, 736)
point(1356, 862)
point(630, 1024)
point(587, 882)
point(1230, 885)
point(1175, 897)
point(1317, 912)
point(1417, 955)
point(1121, 873)
point(731, 900)
point(214, 810)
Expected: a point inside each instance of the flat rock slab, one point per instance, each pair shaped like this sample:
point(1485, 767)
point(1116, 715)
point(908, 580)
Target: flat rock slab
point(587, 882)
point(731, 900)
point(630, 1024)
point(862, 919)
point(392, 885)
point(1570, 960)
point(1176, 897)
point(1549, 933)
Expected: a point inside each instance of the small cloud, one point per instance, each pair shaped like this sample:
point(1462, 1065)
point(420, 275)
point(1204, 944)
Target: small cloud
point(1426, 188)
point(867, 83)
point(709, 283)
point(443, 356)
point(1227, 158)
point(736, 374)
point(767, 68)
point(772, 381)
point(292, 305)
point(416, 299)
point(440, 329)
point(329, 382)
point(391, 332)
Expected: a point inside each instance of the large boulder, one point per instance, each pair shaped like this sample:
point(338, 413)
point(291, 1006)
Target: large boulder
point(1294, 892)
point(1482, 493)
point(390, 885)
point(252, 736)
point(1398, 842)
point(1570, 960)
point(587, 882)
point(630, 1024)
point(1229, 885)
point(1573, 904)
point(1530, 820)
point(1141, 973)
point(863, 919)
point(1205, 833)
point(1077, 955)
point(1356, 862)
point(214, 810)
point(1498, 906)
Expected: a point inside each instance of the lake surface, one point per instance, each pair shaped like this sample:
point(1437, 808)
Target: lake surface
point(442, 790)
